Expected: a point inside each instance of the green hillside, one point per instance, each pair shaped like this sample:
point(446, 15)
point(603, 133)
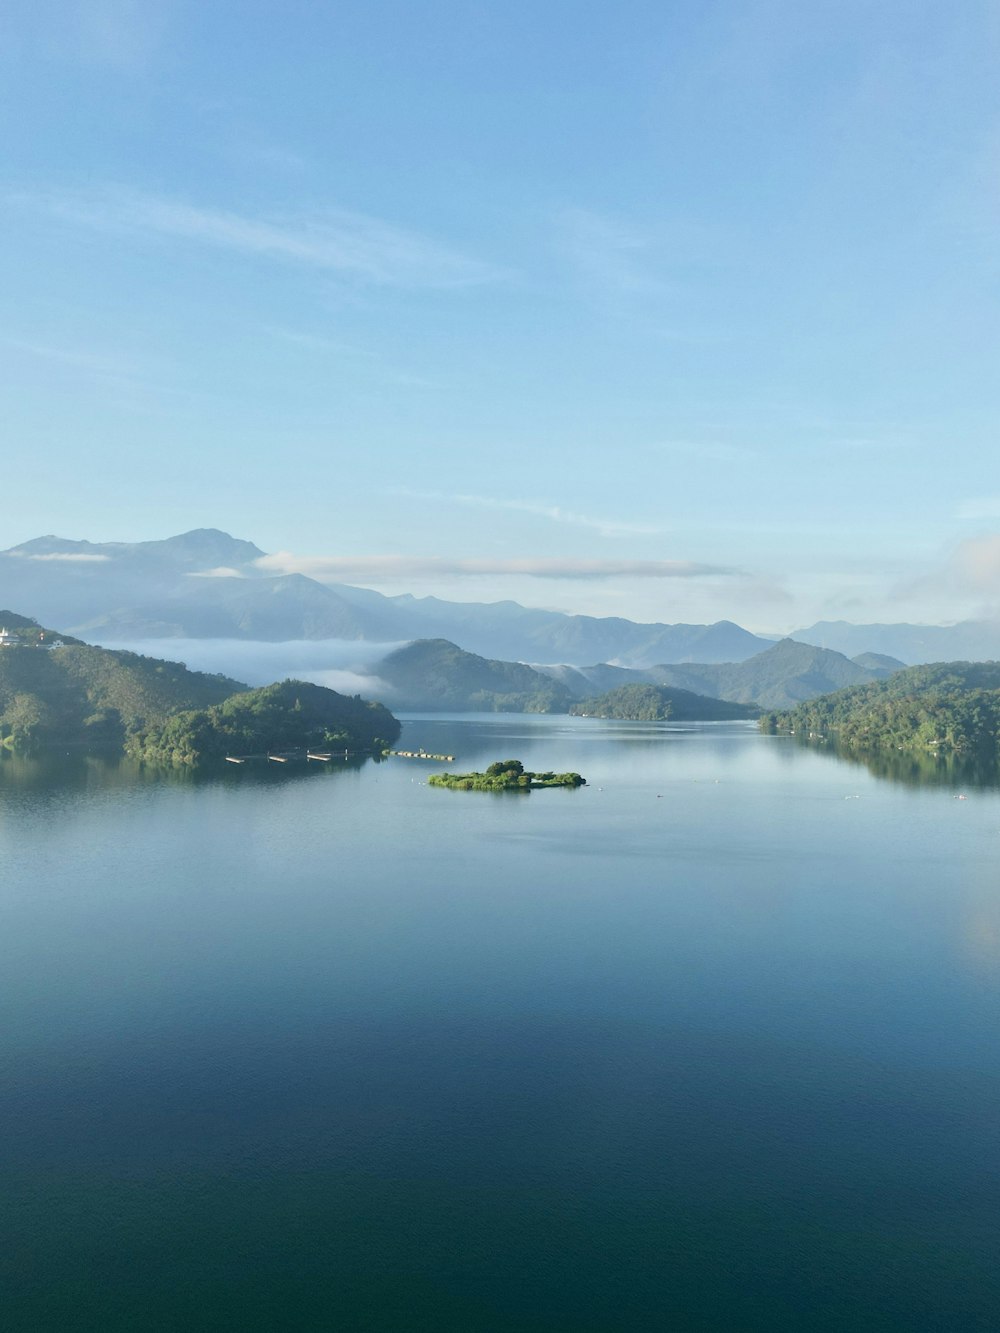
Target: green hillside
point(155, 710)
point(290, 715)
point(946, 707)
point(436, 674)
point(657, 703)
point(778, 678)
point(80, 693)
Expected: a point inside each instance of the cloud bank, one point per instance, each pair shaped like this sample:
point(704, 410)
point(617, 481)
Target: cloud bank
point(335, 568)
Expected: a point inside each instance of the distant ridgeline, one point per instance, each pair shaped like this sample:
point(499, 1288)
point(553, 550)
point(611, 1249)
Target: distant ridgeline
point(435, 674)
point(658, 703)
point(74, 693)
point(947, 707)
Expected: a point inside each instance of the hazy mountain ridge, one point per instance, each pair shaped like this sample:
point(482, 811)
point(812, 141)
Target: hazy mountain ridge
point(206, 584)
point(783, 675)
point(437, 674)
point(967, 641)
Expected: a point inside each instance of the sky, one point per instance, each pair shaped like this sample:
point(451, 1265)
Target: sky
point(671, 310)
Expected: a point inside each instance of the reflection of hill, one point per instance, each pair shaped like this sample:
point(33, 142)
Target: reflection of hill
point(915, 768)
point(52, 775)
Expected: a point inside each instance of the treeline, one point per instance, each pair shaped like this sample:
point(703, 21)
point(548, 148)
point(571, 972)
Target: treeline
point(160, 711)
point(437, 674)
point(660, 703)
point(290, 715)
point(79, 693)
point(945, 708)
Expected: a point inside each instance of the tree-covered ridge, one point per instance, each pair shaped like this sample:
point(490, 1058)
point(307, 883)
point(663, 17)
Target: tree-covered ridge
point(946, 707)
point(290, 715)
point(658, 703)
point(80, 693)
point(505, 775)
point(28, 633)
point(436, 674)
point(160, 710)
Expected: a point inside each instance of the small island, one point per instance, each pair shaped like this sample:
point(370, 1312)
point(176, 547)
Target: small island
point(505, 775)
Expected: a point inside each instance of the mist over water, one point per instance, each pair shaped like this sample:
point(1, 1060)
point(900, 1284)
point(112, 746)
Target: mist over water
point(345, 665)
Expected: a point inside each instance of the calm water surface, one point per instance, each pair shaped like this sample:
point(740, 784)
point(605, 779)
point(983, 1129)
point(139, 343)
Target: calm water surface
point(712, 1043)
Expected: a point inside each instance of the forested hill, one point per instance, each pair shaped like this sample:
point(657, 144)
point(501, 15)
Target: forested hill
point(945, 707)
point(78, 694)
point(27, 633)
point(778, 678)
point(658, 703)
point(436, 674)
point(291, 715)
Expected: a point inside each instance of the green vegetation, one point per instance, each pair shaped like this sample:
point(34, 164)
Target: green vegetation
point(505, 775)
point(434, 674)
point(657, 703)
point(77, 694)
point(944, 708)
point(81, 694)
point(291, 715)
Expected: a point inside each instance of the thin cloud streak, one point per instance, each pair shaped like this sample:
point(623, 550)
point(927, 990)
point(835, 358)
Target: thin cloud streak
point(334, 239)
point(67, 557)
point(607, 527)
point(345, 568)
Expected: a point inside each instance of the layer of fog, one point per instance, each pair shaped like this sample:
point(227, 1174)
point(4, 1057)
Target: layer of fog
point(340, 664)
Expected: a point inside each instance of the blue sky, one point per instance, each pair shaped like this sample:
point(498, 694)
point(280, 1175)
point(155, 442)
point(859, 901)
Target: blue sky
point(678, 311)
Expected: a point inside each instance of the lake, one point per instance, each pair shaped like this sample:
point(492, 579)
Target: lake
point(711, 1043)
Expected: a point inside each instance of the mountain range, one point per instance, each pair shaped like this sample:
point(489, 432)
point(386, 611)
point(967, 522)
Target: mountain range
point(206, 584)
point(437, 675)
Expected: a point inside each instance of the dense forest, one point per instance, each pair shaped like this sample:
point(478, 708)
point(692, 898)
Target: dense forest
point(658, 703)
point(76, 694)
point(945, 708)
point(290, 715)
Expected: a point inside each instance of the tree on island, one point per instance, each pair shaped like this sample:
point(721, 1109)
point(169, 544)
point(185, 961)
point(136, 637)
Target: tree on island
point(505, 775)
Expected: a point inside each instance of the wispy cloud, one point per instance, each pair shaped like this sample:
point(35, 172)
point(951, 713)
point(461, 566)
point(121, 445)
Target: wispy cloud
point(97, 363)
point(219, 572)
point(333, 239)
point(68, 557)
point(606, 527)
point(967, 582)
point(344, 568)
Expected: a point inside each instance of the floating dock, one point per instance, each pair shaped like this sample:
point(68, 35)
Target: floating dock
point(423, 754)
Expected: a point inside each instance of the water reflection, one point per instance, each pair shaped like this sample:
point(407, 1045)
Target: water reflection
point(81, 770)
point(908, 767)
